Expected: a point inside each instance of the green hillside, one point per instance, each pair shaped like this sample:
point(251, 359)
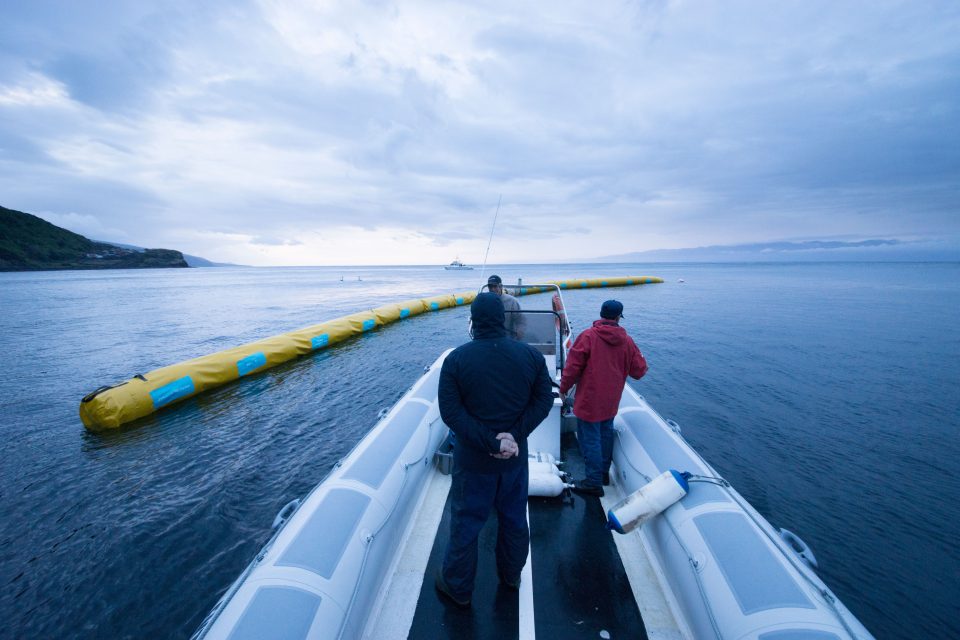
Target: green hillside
point(29, 243)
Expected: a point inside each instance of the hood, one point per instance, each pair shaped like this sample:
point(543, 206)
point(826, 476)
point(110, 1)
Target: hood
point(609, 331)
point(486, 314)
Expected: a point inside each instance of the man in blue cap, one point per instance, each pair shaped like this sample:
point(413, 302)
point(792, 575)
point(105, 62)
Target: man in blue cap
point(598, 364)
point(493, 392)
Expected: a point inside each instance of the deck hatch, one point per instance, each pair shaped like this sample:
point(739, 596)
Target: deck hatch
point(382, 454)
point(277, 612)
point(758, 581)
point(321, 543)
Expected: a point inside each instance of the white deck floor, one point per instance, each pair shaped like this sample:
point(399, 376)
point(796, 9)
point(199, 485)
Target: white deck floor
point(393, 614)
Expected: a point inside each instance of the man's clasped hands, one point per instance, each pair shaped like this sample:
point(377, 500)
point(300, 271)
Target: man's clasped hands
point(508, 446)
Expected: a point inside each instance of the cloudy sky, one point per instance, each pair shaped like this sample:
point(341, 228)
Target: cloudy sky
point(379, 132)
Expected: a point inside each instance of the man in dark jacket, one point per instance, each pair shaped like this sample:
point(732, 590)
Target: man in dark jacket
point(493, 392)
point(599, 363)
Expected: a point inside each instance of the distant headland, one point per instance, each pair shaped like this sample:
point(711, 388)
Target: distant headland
point(29, 243)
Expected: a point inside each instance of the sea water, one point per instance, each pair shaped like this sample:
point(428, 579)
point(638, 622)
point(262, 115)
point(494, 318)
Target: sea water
point(828, 394)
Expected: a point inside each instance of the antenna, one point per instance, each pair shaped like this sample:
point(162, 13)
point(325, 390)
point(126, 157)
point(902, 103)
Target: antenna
point(484, 267)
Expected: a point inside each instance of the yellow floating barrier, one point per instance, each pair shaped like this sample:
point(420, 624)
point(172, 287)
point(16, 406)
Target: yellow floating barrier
point(112, 406)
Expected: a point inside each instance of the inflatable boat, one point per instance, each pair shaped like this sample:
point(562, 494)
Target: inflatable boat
point(356, 557)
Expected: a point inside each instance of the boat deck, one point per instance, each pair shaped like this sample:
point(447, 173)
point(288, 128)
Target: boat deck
point(580, 586)
point(575, 584)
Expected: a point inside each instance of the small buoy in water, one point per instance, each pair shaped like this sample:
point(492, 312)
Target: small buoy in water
point(681, 280)
point(647, 501)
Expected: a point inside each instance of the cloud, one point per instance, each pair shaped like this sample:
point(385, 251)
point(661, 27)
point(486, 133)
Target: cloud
point(873, 249)
point(650, 125)
point(34, 90)
point(820, 245)
point(275, 242)
point(445, 238)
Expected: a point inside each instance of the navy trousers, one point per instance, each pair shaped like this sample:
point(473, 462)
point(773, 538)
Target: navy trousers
point(472, 496)
point(596, 446)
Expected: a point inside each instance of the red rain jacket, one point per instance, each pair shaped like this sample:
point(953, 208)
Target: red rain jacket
point(599, 362)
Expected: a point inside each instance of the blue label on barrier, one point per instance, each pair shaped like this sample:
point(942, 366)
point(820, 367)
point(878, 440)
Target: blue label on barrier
point(563, 285)
point(459, 301)
point(434, 306)
point(172, 391)
point(629, 281)
point(523, 291)
point(603, 283)
point(251, 363)
point(404, 313)
point(320, 341)
point(583, 284)
point(369, 324)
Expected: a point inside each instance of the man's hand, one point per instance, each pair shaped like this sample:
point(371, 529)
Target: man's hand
point(508, 446)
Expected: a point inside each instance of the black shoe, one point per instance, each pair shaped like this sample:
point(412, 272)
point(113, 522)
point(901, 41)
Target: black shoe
point(587, 489)
point(606, 479)
point(444, 590)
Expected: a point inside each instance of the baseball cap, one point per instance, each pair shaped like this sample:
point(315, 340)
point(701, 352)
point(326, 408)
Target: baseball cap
point(611, 310)
point(494, 280)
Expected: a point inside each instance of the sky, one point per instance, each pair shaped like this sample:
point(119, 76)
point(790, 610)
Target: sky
point(377, 132)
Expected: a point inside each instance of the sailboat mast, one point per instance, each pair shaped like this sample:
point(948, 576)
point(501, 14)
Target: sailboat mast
point(484, 267)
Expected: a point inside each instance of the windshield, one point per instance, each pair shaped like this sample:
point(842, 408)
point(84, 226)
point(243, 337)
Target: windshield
point(534, 314)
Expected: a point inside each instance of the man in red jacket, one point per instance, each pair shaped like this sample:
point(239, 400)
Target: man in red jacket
point(599, 363)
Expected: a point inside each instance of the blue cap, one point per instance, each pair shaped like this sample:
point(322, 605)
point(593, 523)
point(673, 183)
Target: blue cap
point(611, 310)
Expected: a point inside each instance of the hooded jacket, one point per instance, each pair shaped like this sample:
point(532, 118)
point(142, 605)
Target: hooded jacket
point(490, 385)
point(599, 362)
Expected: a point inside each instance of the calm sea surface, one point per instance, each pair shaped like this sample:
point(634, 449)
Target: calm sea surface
point(828, 394)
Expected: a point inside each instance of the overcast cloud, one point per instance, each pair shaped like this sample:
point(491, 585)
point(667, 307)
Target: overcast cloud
point(382, 132)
